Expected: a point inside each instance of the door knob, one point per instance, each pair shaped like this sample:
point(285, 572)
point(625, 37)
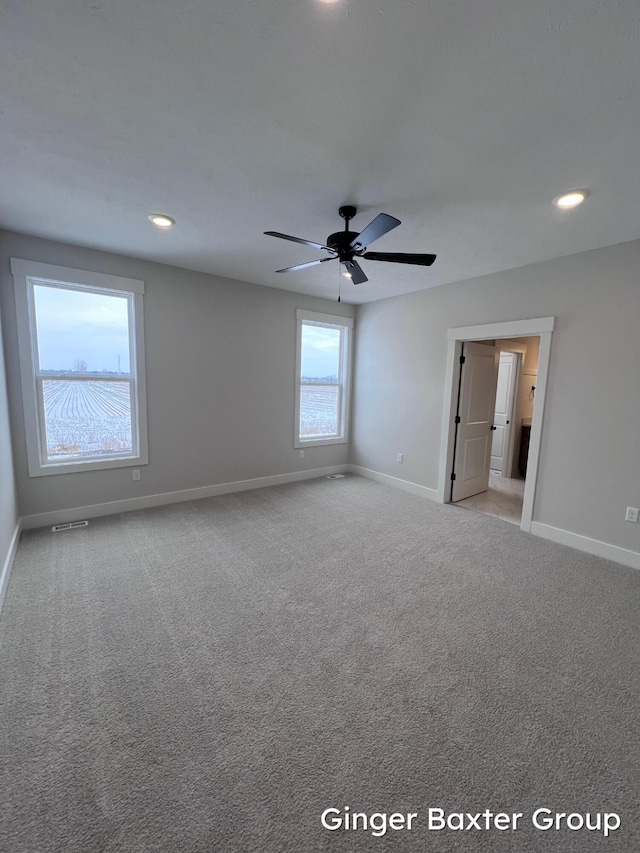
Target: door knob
point(508, 421)
point(494, 427)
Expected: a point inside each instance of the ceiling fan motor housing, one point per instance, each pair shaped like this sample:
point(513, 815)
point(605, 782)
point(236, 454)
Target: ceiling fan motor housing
point(341, 241)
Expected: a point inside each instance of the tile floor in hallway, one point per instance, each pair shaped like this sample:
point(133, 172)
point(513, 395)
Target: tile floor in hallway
point(503, 499)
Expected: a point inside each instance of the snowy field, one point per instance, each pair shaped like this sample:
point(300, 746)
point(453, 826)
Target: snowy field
point(85, 418)
point(318, 410)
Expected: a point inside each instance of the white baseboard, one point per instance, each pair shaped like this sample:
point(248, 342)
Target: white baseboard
point(44, 519)
point(584, 543)
point(396, 482)
point(8, 562)
point(545, 531)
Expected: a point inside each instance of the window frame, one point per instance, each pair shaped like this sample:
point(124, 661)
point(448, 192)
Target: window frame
point(345, 325)
point(27, 274)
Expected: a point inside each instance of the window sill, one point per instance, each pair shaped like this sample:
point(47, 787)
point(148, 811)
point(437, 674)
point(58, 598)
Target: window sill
point(76, 467)
point(318, 442)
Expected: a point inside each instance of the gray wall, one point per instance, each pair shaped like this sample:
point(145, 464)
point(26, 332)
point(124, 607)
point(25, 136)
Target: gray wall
point(590, 458)
point(220, 381)
point(8, 501)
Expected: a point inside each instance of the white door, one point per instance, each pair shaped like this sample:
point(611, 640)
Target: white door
point(503, 415)
point(478, 381)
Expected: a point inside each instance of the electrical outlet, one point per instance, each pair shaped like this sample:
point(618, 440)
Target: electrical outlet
point(136, 473)
point(632, 514)
point(400, 457)
point(302, 454)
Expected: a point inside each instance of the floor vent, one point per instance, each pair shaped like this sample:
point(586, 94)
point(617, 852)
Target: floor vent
point(70, 525)
point(335, 476)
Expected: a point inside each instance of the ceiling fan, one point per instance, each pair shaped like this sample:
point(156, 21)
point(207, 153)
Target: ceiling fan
point(345, 246)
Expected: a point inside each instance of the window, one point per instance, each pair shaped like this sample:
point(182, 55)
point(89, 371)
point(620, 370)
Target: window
point(82, 367)
point(323, 378)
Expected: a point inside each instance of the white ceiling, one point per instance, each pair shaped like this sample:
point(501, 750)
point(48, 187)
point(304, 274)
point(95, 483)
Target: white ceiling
point(463, 118)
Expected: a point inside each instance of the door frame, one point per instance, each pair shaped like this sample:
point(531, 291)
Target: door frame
point(541, 327)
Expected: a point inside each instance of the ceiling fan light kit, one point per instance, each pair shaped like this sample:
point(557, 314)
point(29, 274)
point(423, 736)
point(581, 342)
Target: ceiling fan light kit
point(345, 246)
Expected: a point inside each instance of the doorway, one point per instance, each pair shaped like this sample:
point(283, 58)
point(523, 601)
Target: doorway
point(500, 492)
point(473, 364)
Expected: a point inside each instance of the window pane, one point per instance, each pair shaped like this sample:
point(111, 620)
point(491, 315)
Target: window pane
point(86, 419)
point(319, 416)
point(320, 353)
point(81, 332)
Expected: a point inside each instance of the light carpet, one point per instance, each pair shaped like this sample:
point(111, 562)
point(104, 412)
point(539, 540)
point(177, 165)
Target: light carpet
point(211, 676)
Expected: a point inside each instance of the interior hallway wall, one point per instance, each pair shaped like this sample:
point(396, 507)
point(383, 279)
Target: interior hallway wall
point(589, 465)
point(525, 398)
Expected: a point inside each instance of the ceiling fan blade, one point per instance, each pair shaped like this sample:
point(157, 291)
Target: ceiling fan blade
point(401, 258)
point(308, 264)
point(299, 240)
point(380, 226)
point(357, 273)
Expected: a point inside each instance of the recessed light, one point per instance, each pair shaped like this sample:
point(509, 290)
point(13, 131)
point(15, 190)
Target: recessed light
point(568, 200)
point(160, 220)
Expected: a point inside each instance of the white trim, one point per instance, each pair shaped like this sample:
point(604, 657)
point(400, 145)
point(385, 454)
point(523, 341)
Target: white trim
point(324, 319)
point(535, 440)
point(319, 442)
point(586, 544)
point(137, 357)
point(345, 326)
point(396, 482)
point(77, 466)
point(509, 329)
point(27, 272)
point(67, 275)
point(62, 516)
point(543, 328)
point(8, 562)
point(27, 360)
